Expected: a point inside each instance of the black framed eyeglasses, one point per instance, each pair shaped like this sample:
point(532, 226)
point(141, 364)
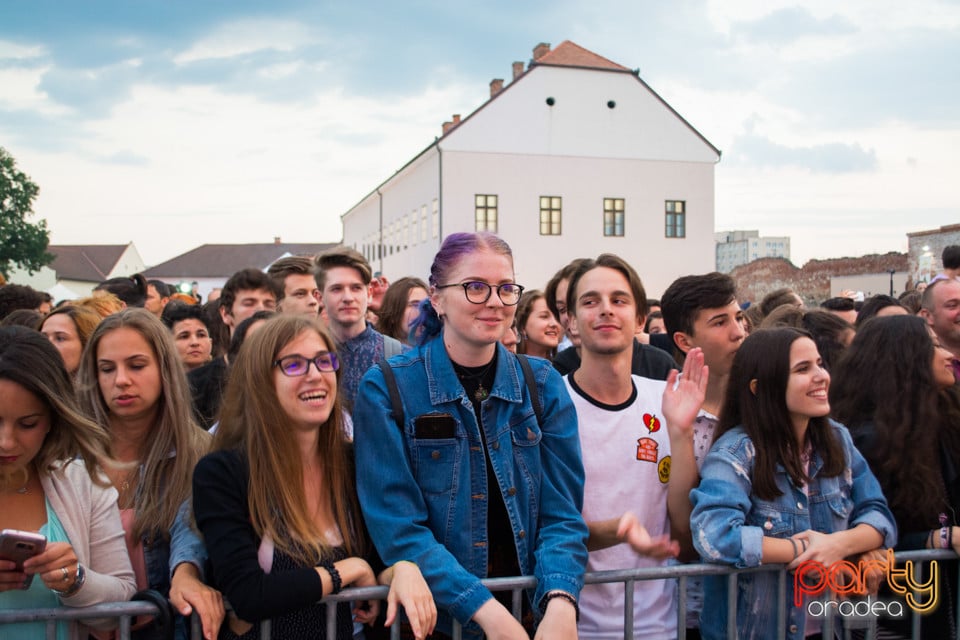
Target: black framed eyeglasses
point(298, 365)
point(479, 292)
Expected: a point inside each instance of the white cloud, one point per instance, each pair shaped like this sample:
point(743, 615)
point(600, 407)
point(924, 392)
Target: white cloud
point(249, 36)
point(220, 168)
point(14, 51)
point(20, 90)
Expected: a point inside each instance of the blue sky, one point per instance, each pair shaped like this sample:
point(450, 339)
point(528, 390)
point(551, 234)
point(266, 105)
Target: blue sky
point(173, 124)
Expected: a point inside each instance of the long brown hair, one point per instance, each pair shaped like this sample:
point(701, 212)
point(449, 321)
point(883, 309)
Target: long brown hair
point(175, 443)
point(886, 393)
point(762, 412)
point(31, 361)
point(253, 421)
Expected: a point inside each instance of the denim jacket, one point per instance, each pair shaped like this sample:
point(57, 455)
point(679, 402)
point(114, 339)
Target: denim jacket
point(424, 498)
point(729, 523)
point(162, 556)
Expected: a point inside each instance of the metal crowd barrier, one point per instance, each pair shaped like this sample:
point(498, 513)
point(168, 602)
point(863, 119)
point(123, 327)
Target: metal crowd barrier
point(126, 611)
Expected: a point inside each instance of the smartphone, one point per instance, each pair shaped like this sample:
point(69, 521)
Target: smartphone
point(20, 545)
point(435, 426)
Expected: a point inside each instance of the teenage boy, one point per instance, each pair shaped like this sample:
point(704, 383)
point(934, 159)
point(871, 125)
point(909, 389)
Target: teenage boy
point(343, 278)
point(701, 312)
point(636, 437)
point(295, 279)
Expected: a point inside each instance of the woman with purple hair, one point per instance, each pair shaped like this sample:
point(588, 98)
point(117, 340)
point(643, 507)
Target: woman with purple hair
point(477, 456)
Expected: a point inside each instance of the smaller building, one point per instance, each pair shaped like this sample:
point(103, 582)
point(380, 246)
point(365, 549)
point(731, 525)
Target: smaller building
point(210, 265)
point(735, 248)
point(924, 249)
point(78, 268)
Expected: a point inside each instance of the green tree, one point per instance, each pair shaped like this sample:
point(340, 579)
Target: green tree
point(22, 243)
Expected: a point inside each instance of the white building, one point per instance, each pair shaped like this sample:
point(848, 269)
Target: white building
point(78, 268)
point(735, 248)
point(575, 157)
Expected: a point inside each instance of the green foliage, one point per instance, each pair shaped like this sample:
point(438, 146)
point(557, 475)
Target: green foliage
point(21, 243)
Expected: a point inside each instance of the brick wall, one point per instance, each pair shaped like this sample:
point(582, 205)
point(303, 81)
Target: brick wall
point(812, 282)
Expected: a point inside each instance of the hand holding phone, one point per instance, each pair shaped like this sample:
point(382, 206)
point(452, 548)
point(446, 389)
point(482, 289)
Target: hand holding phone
point(16, 547)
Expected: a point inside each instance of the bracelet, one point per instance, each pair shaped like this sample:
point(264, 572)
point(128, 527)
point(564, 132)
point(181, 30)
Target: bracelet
point(930, 539)
point(803, 544)
point(77, 583)
point(563, 595)
point(794, 543)
point(944, 541)
point(334, 576)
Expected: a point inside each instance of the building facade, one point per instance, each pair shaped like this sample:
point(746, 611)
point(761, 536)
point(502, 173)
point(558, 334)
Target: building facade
point(735, 248)
point(575, 157)
point(924, 249)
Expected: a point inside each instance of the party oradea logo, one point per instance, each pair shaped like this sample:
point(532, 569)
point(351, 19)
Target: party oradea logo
point(845, 579)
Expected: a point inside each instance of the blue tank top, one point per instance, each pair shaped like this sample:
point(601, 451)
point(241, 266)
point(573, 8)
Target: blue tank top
point(38, 596)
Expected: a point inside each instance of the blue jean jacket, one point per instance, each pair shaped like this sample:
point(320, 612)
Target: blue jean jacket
point(161, 557)
point(729, 523)
point(425, 499)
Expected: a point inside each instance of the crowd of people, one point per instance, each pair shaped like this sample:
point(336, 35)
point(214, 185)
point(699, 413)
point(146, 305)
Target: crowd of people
point(315, 427)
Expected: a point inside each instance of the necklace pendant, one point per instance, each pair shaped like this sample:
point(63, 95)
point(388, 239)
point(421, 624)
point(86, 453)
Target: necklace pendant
point(480, 394)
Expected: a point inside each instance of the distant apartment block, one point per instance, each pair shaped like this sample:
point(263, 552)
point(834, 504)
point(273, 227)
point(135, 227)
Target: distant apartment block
point(735, 248)
point(576, 156)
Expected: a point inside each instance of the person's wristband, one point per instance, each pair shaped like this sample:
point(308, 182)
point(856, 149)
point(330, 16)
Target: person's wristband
point(563, 595)
point(944, 538)
point(794, 543)
point(334, 576)
point(77, 583)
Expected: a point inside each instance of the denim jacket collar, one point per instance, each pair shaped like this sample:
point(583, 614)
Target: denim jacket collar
point(445, 385)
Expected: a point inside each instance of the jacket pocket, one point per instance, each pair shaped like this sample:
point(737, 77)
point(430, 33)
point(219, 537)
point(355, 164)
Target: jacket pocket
point(437, 463)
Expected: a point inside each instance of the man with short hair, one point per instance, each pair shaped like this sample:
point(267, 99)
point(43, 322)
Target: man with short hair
point(246, 292)
point(940, 305)
point(842, 307)
point(343, 278)
point(636, 437)
point(294, 277)
point(158, 294)
point(701, 312)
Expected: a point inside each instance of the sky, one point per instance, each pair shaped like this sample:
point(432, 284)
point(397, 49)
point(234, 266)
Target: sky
point(173, 124)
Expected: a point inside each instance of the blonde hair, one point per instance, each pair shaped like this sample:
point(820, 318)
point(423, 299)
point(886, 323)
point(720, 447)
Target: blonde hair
point(103, 303)
point(174, 445)
point(253, 421)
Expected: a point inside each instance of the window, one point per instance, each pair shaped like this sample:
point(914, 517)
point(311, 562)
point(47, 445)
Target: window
point(613, 216)
point(406, 231)
point(676, 220)
point(423, 223)
point(550, 215)
point(436, 218)
point(485, 216)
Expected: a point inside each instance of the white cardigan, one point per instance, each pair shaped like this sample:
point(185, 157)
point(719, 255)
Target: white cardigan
point(91, 519)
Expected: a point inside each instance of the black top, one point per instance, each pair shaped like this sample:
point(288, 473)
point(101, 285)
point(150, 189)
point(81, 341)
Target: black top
point(289, 593)
point(206, 387)
point(648, 362)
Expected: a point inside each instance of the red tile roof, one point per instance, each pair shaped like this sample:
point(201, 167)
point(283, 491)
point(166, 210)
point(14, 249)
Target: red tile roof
point(570, 54)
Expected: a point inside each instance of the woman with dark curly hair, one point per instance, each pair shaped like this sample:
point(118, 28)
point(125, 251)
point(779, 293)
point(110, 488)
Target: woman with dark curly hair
point(894, 391)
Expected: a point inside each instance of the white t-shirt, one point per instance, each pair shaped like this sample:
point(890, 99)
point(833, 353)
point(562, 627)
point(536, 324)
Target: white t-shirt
point(626, 456)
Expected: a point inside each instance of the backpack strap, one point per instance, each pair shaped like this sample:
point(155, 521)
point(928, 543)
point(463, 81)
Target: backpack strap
point(395, 402)
point(531, 381)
